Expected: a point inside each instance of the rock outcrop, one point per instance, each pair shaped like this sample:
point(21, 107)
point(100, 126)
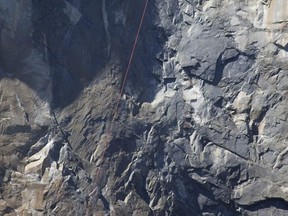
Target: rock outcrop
point(200, 129)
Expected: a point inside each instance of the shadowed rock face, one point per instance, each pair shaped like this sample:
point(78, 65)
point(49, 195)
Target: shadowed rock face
point(201, 128)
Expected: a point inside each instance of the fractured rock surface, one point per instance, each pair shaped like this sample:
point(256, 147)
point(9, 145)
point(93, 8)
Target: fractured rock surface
point(200, 129)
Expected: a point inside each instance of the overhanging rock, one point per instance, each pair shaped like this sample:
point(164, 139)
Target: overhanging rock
point(198, 56)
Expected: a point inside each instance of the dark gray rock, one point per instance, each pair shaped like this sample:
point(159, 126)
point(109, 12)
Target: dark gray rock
point(199, 130)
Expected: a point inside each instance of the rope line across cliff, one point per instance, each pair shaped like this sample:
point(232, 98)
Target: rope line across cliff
point(128, 68)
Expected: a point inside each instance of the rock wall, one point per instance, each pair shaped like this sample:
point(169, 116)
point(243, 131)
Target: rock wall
point(200, 130)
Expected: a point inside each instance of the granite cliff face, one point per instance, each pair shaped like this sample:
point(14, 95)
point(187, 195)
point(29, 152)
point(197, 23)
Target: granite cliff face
point(201, 128)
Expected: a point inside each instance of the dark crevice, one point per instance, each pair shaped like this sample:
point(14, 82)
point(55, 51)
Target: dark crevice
point(219, 103)
point(140, 189)
point(10, 130)
point(220, 65)
point(65, 135)
point(220, 68)
point(169, 80)
point(105, 202)
point(278, 203)
point(53, 206)
point(231, 151)
point(285, 48)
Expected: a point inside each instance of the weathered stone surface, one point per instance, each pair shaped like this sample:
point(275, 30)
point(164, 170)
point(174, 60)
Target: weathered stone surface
point(199, 130)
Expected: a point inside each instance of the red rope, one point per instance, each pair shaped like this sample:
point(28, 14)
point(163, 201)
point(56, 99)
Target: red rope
point(128, 68)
